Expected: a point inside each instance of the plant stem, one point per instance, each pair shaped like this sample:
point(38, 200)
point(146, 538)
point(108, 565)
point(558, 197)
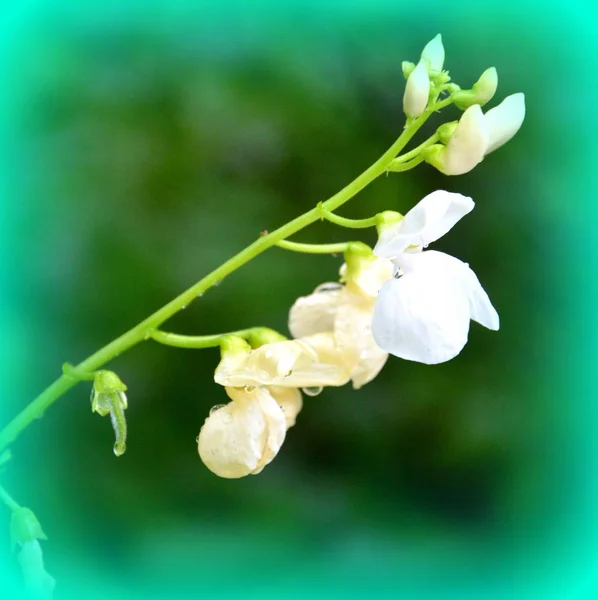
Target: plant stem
point(8, 500)
point(143, 330)
point(196, 341)
point(314, 248)
point(350, 223)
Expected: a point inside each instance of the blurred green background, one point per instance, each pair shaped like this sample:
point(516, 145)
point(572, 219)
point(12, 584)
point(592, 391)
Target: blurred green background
point(146, 144)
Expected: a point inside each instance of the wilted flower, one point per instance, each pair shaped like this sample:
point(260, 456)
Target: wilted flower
point(243, 436)
point(312, 361)
point(346, 311)
point(476, 135)
point(423, 315)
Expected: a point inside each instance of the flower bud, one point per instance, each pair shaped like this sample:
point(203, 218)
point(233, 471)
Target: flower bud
point(466, 147)
point(417, 91)
point(433, 53)
point(242, 437)
point(108, 397)
point(482, 91)
point(504, 120)
point(407, 68)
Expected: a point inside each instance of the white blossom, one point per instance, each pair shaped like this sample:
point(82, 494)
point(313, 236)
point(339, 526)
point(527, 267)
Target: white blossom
point(423, 314)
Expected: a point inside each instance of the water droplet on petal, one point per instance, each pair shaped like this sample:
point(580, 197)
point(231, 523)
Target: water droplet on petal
point(312, 391)
point(217, 407)
point(250, 388)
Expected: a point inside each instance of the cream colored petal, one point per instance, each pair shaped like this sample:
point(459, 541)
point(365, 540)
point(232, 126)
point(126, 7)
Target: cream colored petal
point(312, 361)
point(314, 313)
point(369, 277)
point(353, 332)
point(290, 401)
point(234, 438)
point(277, 425)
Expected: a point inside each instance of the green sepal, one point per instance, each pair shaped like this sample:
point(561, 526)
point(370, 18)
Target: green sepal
point(24, 527)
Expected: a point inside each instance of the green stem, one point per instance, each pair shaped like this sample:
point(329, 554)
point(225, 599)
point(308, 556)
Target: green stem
point(416, 151)
point(8, 500)
point(143, 330)
point(197, 341)
point(399, 167)
point(314, 248)
point(350, 223)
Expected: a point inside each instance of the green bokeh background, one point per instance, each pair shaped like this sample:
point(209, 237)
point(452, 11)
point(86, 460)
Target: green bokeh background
point(143, 145)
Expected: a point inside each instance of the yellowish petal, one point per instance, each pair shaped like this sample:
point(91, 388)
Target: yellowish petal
point(290, 401)
point(315, 313)
point(353, 332)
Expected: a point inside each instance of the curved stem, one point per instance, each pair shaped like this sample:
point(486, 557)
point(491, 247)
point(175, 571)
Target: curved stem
point(416, 151)
point(314, 248)
point(399, 167)
point(350, 223)
point(143, 330)
point(196, 341)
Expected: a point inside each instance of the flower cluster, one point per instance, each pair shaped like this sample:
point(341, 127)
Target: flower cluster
point(398, 298)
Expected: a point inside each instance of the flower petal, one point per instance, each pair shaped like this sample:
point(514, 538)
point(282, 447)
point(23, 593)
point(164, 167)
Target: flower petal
point(290, 401)
point(417, 91)
point(312, 361)
point(504, 121)
point(233, 439)
point(353, 333)
point(315, 313)
point(422, 316)
point(468, 144)
point(427, 221)
point(366, 280)
point(433, 53)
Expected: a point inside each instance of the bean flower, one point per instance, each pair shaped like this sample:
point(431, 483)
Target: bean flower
point(423, 313)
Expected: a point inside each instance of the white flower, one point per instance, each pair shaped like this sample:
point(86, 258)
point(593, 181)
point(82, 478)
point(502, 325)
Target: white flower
point(477, 134)
point(423, 315)
point(312, 361)
point(242, 437)
point(347, 311)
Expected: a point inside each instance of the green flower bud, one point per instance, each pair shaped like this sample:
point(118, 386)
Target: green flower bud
point(407, 68)
point(108, 398)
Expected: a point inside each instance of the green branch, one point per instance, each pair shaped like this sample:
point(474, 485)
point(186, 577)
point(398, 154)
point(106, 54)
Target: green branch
point(143, 331)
